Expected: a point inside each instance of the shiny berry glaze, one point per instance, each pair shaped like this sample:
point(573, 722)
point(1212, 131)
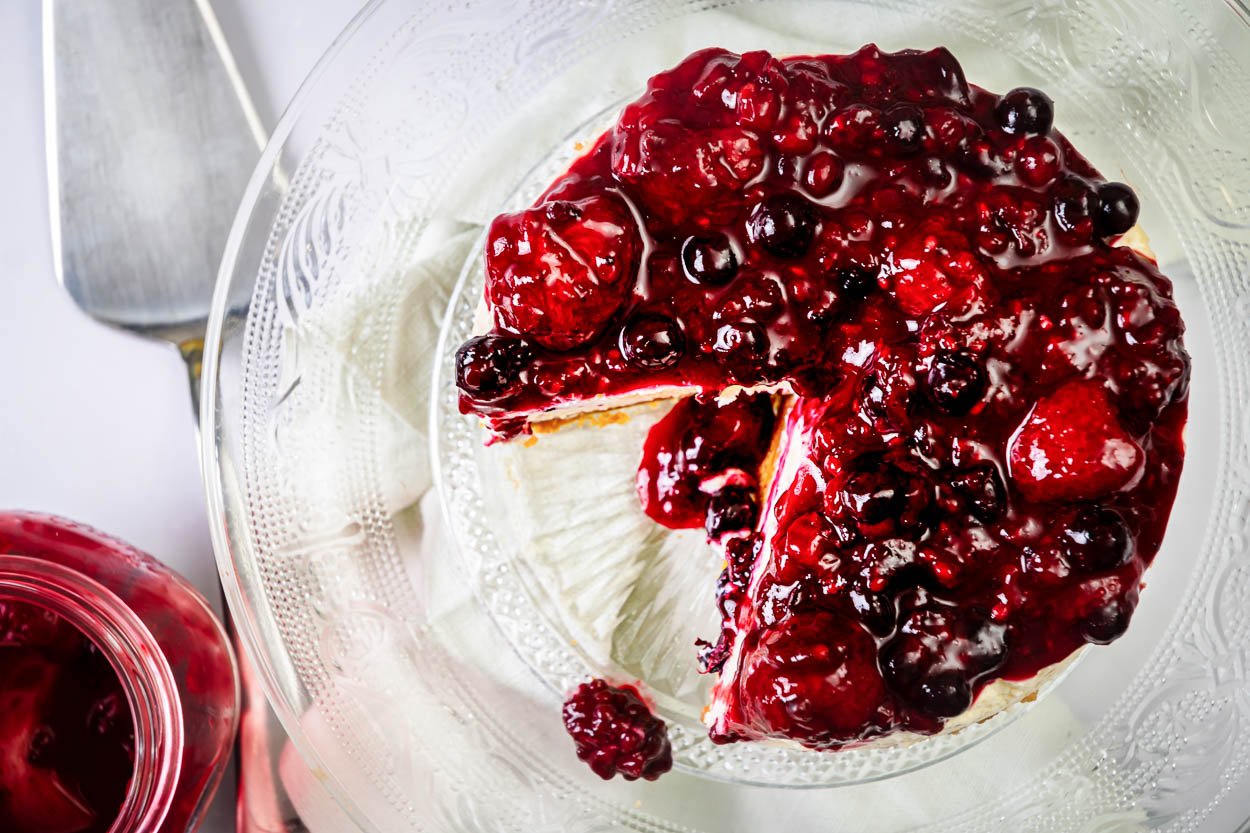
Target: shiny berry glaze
point(985, 443)
point(616, 732)
point(66, 734)
point(700, 464)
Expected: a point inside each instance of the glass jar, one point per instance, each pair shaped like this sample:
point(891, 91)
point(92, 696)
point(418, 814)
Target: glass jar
point(172, 660)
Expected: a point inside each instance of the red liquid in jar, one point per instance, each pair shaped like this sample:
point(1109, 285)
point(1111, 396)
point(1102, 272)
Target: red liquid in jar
point(66, 730)
point(179, 667)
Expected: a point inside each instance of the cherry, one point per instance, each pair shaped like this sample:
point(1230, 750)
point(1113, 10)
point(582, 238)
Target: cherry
point(956, 382)
point(823, 174)
point(1117, 209)
point(709, 259)
point(904, 128)
point(783, 224)
point(616, 732)
point(1097, 539)
point(1025, 110)
point(488, 366)
point(983, 491)
point(730, 510)
point(1038, 161)
point(652, 341)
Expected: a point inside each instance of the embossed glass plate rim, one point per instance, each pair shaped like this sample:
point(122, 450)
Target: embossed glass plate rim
point(1222, 510)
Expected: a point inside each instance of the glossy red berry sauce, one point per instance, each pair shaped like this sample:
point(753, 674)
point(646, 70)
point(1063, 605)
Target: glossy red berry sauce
point(985, 394)
point(616, 732)
point(66, 733)
point(700, 465)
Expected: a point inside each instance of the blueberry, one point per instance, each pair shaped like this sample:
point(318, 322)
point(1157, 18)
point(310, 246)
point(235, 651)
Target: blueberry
point(944, 694)
point(875, 610)
point(1097, 539)
point(652, 341)
point(783, 225)
point(982, 490)
point(904, 128)
point(1105, 624)
point(856, 282)
point(730, 510)
point(489, 366)
point(741, 339)
point(1117, 209)
point(875, 495)
point(1025, 110)
point(1073, 203)
point(709, 259)
point(956, 382)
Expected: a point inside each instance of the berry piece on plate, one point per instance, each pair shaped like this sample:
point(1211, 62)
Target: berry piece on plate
point(616, 732)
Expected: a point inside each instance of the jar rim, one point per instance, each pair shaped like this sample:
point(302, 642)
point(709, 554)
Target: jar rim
point(142, 669)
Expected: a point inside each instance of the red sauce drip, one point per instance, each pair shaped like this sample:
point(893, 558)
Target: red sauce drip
point(990, 392)
point(66, 733)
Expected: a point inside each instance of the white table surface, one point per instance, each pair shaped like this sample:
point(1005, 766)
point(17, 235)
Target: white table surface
point(95, 424)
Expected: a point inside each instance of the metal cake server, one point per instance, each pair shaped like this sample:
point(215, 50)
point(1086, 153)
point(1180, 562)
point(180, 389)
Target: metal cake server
point(151, 140)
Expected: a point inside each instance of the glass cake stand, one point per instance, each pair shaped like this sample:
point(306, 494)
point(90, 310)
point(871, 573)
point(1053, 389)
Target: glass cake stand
point(420, 601)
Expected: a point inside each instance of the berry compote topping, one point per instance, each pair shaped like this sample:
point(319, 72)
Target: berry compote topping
point(984, 393)
point(701, 463)
point(616, 732)
point(66, 733)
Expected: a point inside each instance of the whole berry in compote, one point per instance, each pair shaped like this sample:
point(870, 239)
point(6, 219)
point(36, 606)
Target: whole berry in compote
point(489, 366)
point(982, 490)
point(744, 343)
point(876, 495)
point(1097, 539)
point(730, 510)
point(1025, 110)
point(856, 282)
point(678, 172)
point(557, 273)
point(652, 341)
point(823, 174)
point(783, 224)
point(936, 655)
point(1038, 161)
point(1073, 447)
point(1117, 209)
point(709, 259)
point(956, 382)
point(1074, 203)
point(904, 128)
point(1106, 623)
point(815, 679)
point(881, 497)
point(616, 732)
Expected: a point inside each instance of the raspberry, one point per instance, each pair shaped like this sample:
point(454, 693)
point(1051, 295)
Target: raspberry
point(1073, 447)
point(815, 679)
point(616, 732)
point(679, 172)
point(559, 272)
